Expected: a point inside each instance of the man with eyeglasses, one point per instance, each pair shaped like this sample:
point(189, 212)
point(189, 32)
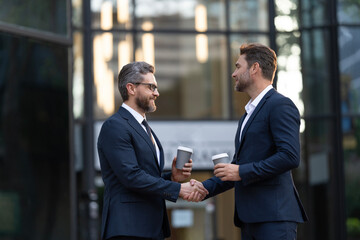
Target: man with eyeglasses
point(132, 160)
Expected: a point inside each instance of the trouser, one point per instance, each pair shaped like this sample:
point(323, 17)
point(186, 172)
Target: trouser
point(131, 238)
point(269, 231)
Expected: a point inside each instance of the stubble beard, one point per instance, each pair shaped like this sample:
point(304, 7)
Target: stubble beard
point(243, 81)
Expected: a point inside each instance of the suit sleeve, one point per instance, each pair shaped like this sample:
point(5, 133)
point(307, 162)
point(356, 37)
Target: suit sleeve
point(166, 176)
point(284, 120)
point(215, 186)
point(116, 146)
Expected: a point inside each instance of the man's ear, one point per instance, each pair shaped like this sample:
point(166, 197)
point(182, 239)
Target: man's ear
point(255, 67)
point(131, 88)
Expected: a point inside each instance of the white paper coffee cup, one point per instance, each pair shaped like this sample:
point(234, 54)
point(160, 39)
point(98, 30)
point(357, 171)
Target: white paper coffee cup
point(220, 158)
point(183, 156)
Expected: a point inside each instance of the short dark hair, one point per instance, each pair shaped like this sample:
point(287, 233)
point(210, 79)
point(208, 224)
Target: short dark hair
point(132, 73)
point(265, 56)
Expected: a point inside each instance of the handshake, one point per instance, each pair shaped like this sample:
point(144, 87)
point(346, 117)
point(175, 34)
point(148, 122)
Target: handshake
point(193, 191)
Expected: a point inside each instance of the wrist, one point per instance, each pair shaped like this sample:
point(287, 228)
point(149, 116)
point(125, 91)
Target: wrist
point(181, 192)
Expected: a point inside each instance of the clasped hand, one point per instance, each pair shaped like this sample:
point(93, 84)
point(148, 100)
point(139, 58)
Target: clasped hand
point(193, 191)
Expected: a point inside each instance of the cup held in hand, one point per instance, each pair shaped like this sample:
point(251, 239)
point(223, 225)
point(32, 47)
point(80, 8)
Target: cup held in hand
point(220, 158)
point(183, 156)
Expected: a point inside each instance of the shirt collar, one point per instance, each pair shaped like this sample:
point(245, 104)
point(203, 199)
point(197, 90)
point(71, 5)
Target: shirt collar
point(251, 105)
point(135, 114)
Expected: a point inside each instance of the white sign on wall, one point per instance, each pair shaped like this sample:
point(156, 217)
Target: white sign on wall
point(206, 138)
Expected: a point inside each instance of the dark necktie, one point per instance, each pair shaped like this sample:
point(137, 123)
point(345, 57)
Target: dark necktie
point(148, 130)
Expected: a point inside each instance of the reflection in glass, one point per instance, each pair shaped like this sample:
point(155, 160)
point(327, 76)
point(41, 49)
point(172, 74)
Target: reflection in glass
point(103, 77)
point(115, 13)
point(289, 76)
point(202, 51)
point(315, 69)
point(77, 13)
point(315, 13)
point(37, 14)
point(319, 157)
point(147, 41)
point(249, 15)
point(34, 140)
point(106, 23)
point(78, 75)
point(124, 52)
point(174, 14)
point(107, 45)
point(350, 108)
point(200, 18)
point(349, 68)
point(148, 48)
point(348, 11)
point(106, 15)
point(351, 146)
point(107, 65)
point(190, 89)
point(201, 39)
point(123, 11)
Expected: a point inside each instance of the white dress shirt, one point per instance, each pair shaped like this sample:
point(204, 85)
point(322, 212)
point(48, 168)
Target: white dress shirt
point(251, 105)
point(140, 119)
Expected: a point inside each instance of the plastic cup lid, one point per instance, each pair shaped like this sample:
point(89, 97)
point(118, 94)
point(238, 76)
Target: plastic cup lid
point(221, 155)
point(185, 149)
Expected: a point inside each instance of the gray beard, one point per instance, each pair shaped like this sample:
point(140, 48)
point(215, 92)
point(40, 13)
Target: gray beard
point(144, 104)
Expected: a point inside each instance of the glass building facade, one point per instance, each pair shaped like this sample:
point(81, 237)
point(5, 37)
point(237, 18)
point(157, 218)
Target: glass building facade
point(36, 176)
point(69, 53)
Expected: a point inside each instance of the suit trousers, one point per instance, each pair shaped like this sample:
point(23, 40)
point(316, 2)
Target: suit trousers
point(128, 238)
point(269, 231)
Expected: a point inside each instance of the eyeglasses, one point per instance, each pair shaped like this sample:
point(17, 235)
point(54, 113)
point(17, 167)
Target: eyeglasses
point(152, 87)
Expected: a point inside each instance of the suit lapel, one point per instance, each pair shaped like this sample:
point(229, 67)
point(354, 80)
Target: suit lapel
point(253, 115)
point(137, 127)
point(237, 137)
point(161, 151)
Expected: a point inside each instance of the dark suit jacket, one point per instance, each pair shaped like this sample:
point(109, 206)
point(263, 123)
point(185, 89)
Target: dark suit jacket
point(268, 150)
point(135, 187)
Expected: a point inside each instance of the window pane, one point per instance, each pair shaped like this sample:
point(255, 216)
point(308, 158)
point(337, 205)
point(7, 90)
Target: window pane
point(39, 14)
point(350, 106)
point(107, 14)
point(110, 53)
point(78, 75)
point(348, 11)
point(191, 71)
point(34, 140)
point(289, 76)
point(249, 15)
point(349, 70)
point(351, 146)
point(185, 14)
point(77, 16)
point(316, 69)
point(319, 157)
point(315, 13)
point(240, 99)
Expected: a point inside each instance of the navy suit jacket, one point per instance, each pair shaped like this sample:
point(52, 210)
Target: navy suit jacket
point(268, 150)
point(135, 188)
